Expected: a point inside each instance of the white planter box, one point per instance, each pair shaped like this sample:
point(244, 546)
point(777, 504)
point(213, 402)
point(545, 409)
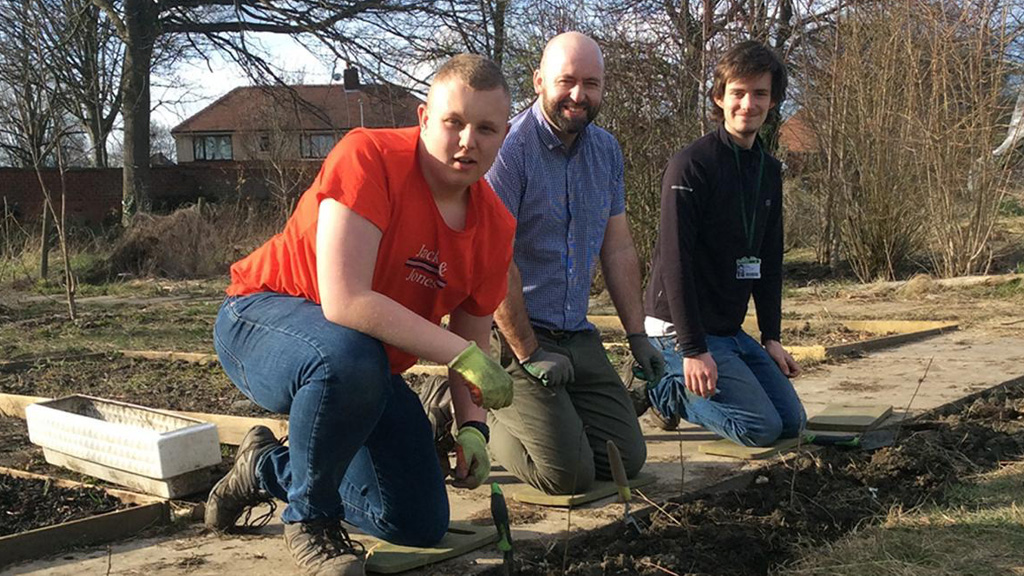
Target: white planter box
point(122, 436)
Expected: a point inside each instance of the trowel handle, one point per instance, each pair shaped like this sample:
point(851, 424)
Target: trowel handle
point(618, 471)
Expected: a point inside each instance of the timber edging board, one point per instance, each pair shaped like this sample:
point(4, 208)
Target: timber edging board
point(98, 529)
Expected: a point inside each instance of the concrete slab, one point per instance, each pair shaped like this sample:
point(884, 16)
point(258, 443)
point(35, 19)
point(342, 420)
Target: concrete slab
point(962, 363)
point(840, 418)
point(730, 449)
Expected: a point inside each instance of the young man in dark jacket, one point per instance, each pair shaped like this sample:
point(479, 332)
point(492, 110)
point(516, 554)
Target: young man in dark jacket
point(720, 242)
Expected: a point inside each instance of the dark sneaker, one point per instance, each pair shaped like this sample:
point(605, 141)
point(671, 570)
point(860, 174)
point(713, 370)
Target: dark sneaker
point(670, 423)
point(436, 397)
point(324, 548)
point(637, 389)
point(239, 489)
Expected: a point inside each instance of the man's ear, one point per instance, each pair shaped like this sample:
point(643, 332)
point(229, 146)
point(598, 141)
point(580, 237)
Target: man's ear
point(421, 115)
point(538, 82)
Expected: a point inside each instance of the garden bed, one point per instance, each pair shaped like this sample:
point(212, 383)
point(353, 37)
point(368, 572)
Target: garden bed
point(43, 515)
point(806, 500)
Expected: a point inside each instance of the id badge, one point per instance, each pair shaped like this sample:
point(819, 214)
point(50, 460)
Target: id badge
point(748, 268)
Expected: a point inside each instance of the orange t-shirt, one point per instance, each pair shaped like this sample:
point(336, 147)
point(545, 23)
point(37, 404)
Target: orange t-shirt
point(421, 262)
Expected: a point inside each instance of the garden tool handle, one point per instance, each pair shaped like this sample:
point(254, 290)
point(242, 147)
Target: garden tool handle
point(618, 471)
point(499, 512)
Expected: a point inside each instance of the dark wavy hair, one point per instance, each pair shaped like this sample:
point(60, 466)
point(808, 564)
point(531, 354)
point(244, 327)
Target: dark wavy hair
point(747, 60)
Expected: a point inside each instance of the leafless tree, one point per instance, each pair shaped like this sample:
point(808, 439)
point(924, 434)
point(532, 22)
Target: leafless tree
point(226, 25)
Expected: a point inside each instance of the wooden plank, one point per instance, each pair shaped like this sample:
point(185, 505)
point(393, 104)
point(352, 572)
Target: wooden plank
point(230, 429)
point(461, 538)
point(428, 369)
point(196, 357)
point(174, 487)
point(86, 531)
point(13, 405)
point(122, 495)
point(600, 489)
point(883, 342)
point(840, 418)
point(730, 449)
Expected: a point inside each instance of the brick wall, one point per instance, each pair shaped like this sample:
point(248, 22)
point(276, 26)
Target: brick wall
point(94, 194)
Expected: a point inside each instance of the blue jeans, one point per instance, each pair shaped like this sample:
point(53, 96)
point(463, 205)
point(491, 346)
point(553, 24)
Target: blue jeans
point(754, 403)
point(360, 446)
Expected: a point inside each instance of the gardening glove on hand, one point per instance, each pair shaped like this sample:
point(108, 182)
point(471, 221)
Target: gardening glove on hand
point(472, 466)
point(489, 385)
point(551, 368)
point(648, 357)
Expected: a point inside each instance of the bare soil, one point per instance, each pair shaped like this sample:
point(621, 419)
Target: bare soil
point(824, 334)
point(809, 499)
point(28, 504)
point(171, 385)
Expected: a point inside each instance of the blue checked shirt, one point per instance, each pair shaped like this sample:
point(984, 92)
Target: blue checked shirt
point(561, 200)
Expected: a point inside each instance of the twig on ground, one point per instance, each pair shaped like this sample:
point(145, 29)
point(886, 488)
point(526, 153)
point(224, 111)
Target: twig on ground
point(682, 465)
point(646, 562)
point(906, 412)
point(660, 508)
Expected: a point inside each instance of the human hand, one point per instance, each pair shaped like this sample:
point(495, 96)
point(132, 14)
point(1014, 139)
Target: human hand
point(701, 374)
point(789, 366)
point(648, 357)
point(489, 385)
point(472, 465)
point(551, 368)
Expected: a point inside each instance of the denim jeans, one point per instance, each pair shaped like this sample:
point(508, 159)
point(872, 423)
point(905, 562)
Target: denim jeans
point(754, 403)
point(359, 443)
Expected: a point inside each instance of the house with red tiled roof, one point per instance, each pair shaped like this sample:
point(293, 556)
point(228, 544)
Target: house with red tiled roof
point(286, 123)
point(796, 134)
point(798, 141)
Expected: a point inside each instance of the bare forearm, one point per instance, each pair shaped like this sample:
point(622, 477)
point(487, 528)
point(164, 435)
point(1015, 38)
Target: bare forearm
point(477, 329)
point(513, 320)
point(622, 277)
point(381, 317)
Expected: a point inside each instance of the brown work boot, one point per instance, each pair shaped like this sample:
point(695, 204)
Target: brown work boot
point(324, 548)
point(239, 489)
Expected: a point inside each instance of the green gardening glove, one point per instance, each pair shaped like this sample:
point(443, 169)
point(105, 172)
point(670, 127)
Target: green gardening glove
point(489, 385)
point(472, 466)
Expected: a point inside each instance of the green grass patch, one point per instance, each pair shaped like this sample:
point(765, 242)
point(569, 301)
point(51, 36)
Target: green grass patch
point(979, 531)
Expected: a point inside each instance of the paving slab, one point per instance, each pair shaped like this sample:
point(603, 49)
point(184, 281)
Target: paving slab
point(961, 363)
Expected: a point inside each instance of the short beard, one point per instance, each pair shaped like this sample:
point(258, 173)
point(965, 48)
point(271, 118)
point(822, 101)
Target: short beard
point(568, 125)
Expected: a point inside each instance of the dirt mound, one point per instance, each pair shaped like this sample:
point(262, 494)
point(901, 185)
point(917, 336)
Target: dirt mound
point(177, 245)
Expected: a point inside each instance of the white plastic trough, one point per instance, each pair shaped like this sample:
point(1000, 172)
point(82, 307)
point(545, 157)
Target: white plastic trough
point(133, 443)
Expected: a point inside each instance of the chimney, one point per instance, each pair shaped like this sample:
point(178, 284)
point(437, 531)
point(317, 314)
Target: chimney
point(351, 78)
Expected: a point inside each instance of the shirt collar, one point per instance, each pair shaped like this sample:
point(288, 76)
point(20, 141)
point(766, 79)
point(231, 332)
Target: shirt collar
point(547, 134)
point(723, 136)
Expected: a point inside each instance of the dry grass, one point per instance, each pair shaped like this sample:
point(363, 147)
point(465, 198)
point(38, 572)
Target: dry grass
point(188, 243)
point(980, 534)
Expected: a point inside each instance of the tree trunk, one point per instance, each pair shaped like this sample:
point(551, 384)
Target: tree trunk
point(141, 22)
point(44, 256)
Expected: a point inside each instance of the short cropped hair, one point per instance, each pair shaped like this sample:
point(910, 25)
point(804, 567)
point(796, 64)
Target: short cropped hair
point(478, 72)
point(747, 60)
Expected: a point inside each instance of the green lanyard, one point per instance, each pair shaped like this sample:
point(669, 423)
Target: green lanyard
point(748, 225)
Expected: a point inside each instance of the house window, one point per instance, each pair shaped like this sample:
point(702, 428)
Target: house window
point(216, 147)
point(316, 145)
point(264, 143)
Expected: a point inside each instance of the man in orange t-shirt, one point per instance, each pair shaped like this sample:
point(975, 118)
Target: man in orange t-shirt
point(398, 230)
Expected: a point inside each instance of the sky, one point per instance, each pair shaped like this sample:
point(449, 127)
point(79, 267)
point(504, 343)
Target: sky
point(200, 83)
